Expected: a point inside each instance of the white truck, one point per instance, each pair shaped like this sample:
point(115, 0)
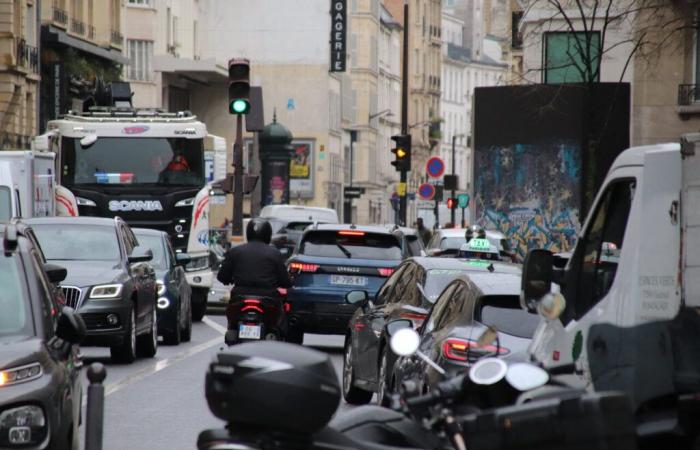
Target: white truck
point(627, 314)
point(27, 184)
point(146, 166)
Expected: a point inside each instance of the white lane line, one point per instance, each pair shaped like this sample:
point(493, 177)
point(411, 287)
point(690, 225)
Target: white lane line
point(217, 327)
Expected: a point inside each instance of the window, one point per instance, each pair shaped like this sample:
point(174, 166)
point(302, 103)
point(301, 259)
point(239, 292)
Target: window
point(333, 244)
point(388, 285)
point(697, 52)
point(89, 243)
point(15, 317)
point(5, 204)
point(140, 56)
point(49, 308)
point(140, 2)
point(602, 245)
point(571, 57)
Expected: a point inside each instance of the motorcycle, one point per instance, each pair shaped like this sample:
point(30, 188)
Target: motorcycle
point(255, 317)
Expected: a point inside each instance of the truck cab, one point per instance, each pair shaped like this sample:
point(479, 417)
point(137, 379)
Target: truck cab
point(620, 312)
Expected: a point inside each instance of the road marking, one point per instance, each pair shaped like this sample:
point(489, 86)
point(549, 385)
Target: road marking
point(217, 327)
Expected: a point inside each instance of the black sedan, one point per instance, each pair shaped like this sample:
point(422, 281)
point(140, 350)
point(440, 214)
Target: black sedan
point(461, 314)
point(109, 281)
point(408, 294)
point(174, 293)
point(40, 387)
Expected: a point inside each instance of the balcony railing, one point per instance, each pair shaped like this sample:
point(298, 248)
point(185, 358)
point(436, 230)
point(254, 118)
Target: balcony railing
point(27, 56)
point(116, 37)
point(77, 26)
point(60, 16)
point(688, 94)
point(91, 32)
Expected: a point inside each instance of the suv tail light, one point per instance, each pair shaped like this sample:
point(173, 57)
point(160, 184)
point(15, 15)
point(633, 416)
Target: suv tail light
point(297, 267)
point(465, 350)
point(386, 272)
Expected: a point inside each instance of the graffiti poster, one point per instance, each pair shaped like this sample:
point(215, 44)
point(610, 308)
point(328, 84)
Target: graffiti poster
point(531, 193)
point(276, 181)
point(301, 173)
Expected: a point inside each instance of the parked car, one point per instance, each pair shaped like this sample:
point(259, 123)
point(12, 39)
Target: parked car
point(448, 241)
point(461, 314)
point(40, 383)
point(330, 261)
point(109, 281)
point(174, 293)
point(408, 294)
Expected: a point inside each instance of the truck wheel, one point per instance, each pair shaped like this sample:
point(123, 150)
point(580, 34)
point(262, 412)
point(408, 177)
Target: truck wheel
point(199, 303)
point(148, 343)
point(126, 352)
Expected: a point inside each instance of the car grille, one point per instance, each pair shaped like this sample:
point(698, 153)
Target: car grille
point(72, 295)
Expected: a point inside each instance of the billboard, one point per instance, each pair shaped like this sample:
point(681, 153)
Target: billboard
point(301, 169)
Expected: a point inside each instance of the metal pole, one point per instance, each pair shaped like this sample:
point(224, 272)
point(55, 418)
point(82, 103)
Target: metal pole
point(237, 224)
point(404, 110)
point(96, 373)
point(463, 225)
point(452, 211)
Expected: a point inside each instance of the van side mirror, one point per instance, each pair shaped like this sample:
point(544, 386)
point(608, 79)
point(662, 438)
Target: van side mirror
point(71, 327)
point(55, 273)
point(537, 278)
point(140, 254)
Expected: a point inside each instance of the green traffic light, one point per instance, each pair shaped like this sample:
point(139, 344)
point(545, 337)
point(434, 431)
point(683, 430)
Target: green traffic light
point(239, 106)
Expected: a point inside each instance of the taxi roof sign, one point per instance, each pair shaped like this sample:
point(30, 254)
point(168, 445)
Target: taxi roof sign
point(479, 244)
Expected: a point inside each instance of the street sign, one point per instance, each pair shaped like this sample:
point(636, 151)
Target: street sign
point(401, 189)
point(426, 191)
point(463, 200)
point(353, 192)
point(435, 167)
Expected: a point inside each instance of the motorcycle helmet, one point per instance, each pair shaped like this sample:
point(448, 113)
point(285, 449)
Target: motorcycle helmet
point(475, 231)
point(259, 230)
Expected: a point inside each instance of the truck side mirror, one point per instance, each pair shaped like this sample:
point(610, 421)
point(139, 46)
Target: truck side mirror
point(537, 278)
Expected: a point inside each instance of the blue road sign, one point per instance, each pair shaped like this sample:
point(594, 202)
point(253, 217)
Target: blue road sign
point(426, 191)
point(435, 167)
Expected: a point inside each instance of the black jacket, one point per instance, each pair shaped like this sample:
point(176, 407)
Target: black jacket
point(254, 268)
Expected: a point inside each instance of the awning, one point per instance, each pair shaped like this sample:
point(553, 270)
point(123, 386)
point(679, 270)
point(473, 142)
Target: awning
point(50, 33)
point(201, 70)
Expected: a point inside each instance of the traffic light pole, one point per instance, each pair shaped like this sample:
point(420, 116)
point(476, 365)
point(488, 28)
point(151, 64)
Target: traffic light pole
point(404, 111)
point(452, 211)
point(237, 224)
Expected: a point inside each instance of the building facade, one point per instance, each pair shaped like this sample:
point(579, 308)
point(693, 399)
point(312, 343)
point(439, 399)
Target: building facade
point(19, 73)
point(81, 42)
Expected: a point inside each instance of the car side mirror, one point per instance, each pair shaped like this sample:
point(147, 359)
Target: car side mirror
point(140, 254)
point(182, 259)
point(71, 327)
point(358, 298)
point(55, 273)
point(537, 277)
point(395, 325)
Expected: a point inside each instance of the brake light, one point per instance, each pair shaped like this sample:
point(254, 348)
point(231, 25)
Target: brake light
point(464, 350)
point(251, 307)
point(287, 307)
point(251, 301)
point(351, 233)
point(386, 272)
point(303, 267)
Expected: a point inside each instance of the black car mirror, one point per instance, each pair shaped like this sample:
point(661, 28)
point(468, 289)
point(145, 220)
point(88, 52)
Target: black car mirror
point(359, 298)
point(140, 254)
point(537, 278)
point(182, 259)
point(395, 325)
point(55, 273)
point(71, 327)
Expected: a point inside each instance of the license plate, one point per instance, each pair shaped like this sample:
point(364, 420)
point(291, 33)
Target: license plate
point(348, 280)
point(249, 332)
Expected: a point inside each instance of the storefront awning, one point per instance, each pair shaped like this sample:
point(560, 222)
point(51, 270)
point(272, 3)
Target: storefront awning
point(50, 33)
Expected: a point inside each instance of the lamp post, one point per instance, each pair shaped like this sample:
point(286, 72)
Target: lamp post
point(454, 140)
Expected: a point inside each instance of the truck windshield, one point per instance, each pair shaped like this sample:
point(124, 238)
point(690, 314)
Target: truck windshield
point(5, 204)
point(15, 319)
point(134, 161)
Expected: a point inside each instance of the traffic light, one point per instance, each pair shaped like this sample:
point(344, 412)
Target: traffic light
point(238, 86)
point(451, 203)
point(402, 152)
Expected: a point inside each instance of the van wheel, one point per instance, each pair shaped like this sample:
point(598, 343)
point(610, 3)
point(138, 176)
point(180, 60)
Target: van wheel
point(126, 352)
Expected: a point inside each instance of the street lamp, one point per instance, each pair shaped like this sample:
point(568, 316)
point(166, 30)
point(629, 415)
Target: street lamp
point(454, 140)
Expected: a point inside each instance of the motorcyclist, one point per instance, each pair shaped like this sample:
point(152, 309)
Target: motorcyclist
point(255, 268)
point(475, 231)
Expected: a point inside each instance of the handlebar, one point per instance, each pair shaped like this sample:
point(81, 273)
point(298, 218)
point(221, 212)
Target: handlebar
point(445, 390)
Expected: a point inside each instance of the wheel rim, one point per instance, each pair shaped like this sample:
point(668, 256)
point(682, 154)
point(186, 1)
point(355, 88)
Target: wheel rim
point(382, 380)
point(347, 368)
point(132, 336)
point(154, 329)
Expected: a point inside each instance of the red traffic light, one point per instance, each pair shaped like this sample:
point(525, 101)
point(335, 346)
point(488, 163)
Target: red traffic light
point(451, 203)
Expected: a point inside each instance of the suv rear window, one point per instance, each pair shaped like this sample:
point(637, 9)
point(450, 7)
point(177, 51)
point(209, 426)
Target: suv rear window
point(350, 244)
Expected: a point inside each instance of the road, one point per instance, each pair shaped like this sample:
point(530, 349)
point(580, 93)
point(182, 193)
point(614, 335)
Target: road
point(159, 403)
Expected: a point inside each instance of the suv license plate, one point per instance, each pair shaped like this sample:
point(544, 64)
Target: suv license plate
point(348, 280)
point(249, 332)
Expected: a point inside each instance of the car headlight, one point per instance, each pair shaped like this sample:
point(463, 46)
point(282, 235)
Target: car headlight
point(106, 291)
point(185, 202)
point(199, 263)
point(22, 426)
point(20, 374)
point(84, 201)
point(161, 287)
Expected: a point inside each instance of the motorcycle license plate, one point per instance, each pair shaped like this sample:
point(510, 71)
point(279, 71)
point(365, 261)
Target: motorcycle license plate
point(249, 332)
point(348, 280)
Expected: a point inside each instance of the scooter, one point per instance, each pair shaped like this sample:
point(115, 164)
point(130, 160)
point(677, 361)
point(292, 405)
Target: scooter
point(255, 317)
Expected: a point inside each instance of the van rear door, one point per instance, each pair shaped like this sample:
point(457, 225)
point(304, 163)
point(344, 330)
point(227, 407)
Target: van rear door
point(690, 218)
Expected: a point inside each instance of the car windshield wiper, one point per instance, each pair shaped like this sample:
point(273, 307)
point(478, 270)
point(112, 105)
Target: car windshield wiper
point(345, 251)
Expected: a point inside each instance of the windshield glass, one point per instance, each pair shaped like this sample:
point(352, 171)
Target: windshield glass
point(134, 161)
point(14, 305)
point(504, 313)
point(436, 281)
point(155, 243)
point(78, 242)
point(335, 244)
point(5, 204)
point(453, 243)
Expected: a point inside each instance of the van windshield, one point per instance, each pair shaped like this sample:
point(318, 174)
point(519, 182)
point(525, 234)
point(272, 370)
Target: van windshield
point(5, 204)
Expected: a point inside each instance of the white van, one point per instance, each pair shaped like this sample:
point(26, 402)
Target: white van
point(27, 184)
point(299, 213)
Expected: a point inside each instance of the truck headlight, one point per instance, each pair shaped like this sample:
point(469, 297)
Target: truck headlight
point(199, 263)
point(20, 374)
point(185, 202)
point(161, 287)
point(106, 291)
point(22, 426)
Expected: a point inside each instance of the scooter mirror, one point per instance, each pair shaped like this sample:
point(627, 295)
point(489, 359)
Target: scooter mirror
point(488, 371)
point(551, 306)
point(524, 377)
point(405, 342)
